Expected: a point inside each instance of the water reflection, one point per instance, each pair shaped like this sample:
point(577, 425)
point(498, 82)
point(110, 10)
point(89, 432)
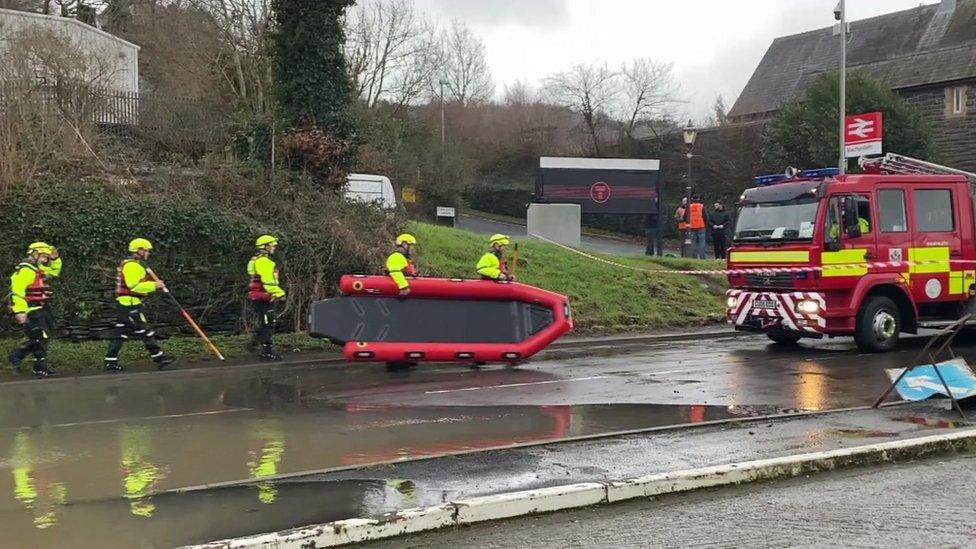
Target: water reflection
point(139, 474)
point(41, 496)
point(267, 449)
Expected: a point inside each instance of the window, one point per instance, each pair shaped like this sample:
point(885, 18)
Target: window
point(956, 98)
point(933, 211)
point(891, 211)
point(835, 217)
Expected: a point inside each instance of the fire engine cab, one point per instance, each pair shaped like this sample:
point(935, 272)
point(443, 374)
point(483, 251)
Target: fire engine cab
point(870, 255)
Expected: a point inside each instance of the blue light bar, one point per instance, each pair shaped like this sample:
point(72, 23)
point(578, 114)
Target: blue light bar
point(763, 180)
point(820, 173)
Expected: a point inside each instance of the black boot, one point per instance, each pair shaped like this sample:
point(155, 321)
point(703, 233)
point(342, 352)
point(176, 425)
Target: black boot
point(113, 366)
point(41, 370)
point(268, 354)
point(163, 362)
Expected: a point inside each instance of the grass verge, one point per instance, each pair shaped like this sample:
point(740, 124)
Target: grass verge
point(605, 298)
point(87, 356)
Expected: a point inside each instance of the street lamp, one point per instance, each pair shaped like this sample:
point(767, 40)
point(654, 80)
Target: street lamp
point(443, 83)
point(690, 134)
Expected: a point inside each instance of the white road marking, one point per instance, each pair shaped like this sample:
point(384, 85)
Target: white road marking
point(509, 385)
point(143, 418)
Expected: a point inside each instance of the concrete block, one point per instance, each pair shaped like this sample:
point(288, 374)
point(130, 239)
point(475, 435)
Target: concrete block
point(529, 502)
point(557, 222)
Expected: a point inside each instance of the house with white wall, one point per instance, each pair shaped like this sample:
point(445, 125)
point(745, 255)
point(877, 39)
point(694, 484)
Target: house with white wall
point(118, 59)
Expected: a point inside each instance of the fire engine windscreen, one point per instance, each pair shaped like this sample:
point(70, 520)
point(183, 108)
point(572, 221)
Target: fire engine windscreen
point(777, 221)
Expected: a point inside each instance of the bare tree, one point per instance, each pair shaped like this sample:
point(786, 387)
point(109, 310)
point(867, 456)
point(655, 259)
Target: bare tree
point(412, 80)
point(720, 113)
point(588, 89)
point(392, 51)
point(465, 66)
point(244, 60)
point(649, 92)
point(518, 94)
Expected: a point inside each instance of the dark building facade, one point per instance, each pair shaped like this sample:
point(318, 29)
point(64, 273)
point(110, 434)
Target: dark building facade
point(926, 54)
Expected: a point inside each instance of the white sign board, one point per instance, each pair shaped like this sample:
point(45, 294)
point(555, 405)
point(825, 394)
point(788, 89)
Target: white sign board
point(444, 212)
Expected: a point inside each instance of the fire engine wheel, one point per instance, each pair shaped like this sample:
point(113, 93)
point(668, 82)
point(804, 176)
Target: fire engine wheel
point(878, 325)
point(784, 338)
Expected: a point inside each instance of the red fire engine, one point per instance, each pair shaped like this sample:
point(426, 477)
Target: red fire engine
point(870, 255)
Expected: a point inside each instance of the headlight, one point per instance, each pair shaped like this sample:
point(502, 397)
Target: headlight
point(731, 302)
point(807, 306)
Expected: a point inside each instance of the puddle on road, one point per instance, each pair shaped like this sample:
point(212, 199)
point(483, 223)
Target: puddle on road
point(107, 483)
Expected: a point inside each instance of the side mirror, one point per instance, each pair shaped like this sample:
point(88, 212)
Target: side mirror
point(852, 225)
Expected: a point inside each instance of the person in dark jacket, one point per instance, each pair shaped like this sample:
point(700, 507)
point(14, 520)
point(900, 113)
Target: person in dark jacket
point(719, 221)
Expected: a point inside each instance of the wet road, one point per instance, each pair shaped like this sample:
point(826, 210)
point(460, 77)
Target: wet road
point(483, 225)
point(85, 460)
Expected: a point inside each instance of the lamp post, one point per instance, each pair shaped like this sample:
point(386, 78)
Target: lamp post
point(690, 133)
point(840, 13)
point(443, 139)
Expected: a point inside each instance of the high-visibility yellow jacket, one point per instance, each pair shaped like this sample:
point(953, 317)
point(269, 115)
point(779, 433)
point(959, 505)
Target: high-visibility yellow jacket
point(24, 277)
point(399, 267)
point(491, 266)
point(134, 283)
point(264, 279)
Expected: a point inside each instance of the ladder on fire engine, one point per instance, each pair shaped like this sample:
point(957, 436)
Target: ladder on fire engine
point(897, 164)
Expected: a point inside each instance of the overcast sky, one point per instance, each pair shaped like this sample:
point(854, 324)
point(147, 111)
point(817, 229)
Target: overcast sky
point(715, 44)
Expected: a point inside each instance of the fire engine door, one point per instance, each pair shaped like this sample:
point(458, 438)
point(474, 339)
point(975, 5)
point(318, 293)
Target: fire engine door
point(935, 242)
point(855, 249)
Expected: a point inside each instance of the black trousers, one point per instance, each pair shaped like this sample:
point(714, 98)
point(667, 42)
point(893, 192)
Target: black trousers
point(266, 323)
point(131, 322)
point(38, 329)
point(651, 241)
point(718, 239)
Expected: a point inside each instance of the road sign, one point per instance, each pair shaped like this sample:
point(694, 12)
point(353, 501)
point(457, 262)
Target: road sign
point(923, 381)
point(409, 195)
point(445, 212)
point(863, 134)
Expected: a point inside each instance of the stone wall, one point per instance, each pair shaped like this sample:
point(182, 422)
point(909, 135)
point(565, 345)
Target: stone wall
point(953, 136)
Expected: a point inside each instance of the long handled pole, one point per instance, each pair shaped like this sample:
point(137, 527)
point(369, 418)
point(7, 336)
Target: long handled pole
point(189, 319)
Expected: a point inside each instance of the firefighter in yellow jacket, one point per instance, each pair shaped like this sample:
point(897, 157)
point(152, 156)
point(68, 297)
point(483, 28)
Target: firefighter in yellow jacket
point(264, 291)
point(399, 265)
point(492, 265)
point(134, 284)
point(29, 294)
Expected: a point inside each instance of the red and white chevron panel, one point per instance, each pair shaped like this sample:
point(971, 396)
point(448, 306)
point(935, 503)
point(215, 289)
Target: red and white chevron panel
point(776, 310)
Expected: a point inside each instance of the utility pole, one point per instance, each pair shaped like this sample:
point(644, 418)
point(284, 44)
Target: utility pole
point(443, 138)
point(840, 12)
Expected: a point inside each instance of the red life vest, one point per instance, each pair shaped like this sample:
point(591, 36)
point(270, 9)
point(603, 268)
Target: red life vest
point(37, 292)
point(696, 218)
point(121, 289)
point(255, 290)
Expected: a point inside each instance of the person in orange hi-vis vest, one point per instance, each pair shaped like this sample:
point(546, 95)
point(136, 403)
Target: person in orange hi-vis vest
point(697, 221)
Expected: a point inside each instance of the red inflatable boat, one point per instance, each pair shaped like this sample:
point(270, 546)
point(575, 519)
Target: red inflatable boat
point(442, 320)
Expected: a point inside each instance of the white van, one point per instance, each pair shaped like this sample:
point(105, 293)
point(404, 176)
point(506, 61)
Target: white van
point(371, 188)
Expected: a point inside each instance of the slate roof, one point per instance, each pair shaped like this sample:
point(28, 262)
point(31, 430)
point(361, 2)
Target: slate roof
point(918, 47)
